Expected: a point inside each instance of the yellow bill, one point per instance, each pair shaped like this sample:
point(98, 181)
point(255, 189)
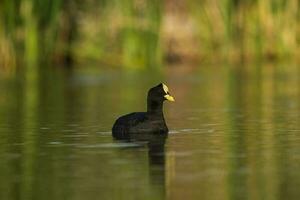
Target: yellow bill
point(169, 97)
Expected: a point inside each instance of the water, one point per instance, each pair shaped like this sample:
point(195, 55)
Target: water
point(234, 134)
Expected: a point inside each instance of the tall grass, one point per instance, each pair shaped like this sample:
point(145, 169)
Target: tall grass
point(138, 34)
point(248, 29)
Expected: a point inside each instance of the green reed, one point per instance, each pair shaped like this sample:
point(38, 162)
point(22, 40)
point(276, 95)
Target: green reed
point(132, 33)
point(248, 29)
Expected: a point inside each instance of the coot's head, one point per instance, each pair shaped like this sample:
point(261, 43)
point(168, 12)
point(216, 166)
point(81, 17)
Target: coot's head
point(160, 93)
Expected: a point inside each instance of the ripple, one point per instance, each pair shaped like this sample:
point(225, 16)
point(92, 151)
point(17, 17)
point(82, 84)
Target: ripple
point(174, 132)
point(55, 143)
point(75, 136)
point(104, 132)
point(61, 144)
point(111, 145)
point(180, 154)
point(192, 131)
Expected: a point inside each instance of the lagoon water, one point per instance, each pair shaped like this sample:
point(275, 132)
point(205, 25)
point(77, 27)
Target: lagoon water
point(234, 134)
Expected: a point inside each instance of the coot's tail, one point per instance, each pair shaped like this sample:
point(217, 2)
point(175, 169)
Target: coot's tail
point(118, 131)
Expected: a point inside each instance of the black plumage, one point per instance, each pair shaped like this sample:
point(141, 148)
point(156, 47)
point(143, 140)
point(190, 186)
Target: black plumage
point(142, 125)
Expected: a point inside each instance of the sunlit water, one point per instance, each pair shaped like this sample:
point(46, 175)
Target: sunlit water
point(234, 134)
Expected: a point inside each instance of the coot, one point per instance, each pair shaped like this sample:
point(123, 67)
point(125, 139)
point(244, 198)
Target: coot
point(152, 122)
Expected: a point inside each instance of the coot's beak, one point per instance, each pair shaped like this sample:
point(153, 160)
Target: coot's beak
point(169, 98)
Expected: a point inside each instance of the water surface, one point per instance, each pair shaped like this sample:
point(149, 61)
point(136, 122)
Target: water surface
point(234, 134)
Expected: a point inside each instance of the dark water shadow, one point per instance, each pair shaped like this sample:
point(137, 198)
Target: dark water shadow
point(157, 161)
point(155, 147)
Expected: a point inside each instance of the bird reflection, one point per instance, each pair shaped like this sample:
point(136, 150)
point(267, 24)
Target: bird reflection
point(155, 144)
point(156, 152)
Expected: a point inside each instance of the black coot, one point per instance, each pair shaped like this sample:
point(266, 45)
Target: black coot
point(152, 122)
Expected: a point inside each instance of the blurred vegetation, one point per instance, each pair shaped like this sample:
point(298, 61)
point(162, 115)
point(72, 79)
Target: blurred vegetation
point(144, 33)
